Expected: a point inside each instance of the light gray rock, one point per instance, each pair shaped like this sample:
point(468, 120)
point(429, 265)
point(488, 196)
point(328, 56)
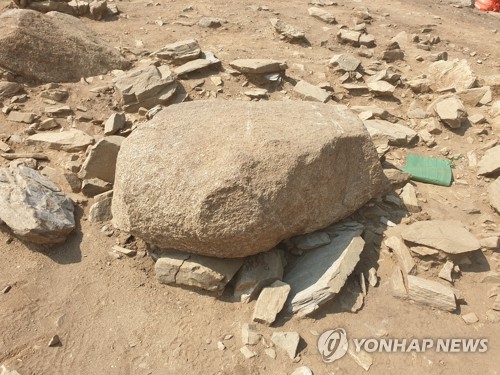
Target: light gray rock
point(490, 162)
point(344, 63)
point(247, 353)
point(362, 358)
point(249, 334)
point(256, 93)
point(397, 284)
point(196, 271)
point(94, 186)
point(240, 191)
point(210, 22)
point(73, 140)
point(287, 31)
point(448, 236)
point(451, 112)
point(349, 36)
point(321, 14)
point(33, 207)
point(5, 371)
point(409, 197)
point(9, 89)
point(26, 117)
point(28, 38)
point(180, 52)
point(145, 87)
point(270, 302)
point(475, 96)
point(311, 93)
point(455, 74)
point(317, 276)
point(287, 341)
point(114, 123)
point(384, 132)
point(494, 194)
point(381, 88)
point(101, 210)
point(101, 160)
point(258, 66)
point(58, 112)
point(98, 9)
point(446, 271)
point(192, 66)
point(431, 293)
point(257, 272)
point(311, 240)
point(302, 370)
point(403, 255)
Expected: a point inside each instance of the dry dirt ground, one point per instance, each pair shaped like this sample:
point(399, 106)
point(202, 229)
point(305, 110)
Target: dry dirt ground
point(114, 318)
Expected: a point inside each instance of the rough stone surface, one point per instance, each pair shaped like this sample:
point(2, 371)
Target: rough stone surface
point(381, 88)
point(431, 293)
point(28, 38)
point(344, 63)
point(455, 73)
point(114, 123)
point(311, 240)
point(33, 207)
point(196, 271)
point(287, 341)
point(95, 186)
point(318, 275)
point(397, 283)
point(409, 197)
point(403, 255)
point(451, 112)
point(5, 371)
point(145, 87)
point(311, 93)
point(270, 302)
point(101, 160)
point(26, 117)
point(494, 194)
point(101, 210)
point(180, 52)
point(448, 236)
point(8, 89)
point(257, 272)
point(321, 14)
point(258, 66)
point(490, 162)
point(249, 185)
point(287, 31)
point(70, 140)
point(384, 132)
point(192, 66)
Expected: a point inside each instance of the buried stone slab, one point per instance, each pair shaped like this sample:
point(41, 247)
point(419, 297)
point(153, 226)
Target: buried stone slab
point(180, 52)
point(384, 132)
point(249, 186)
point(431, 293)
point(33, 207)
point(69, 140)
point(317, 276)
point(196, 271)
point(258, 66)
point(257, 272)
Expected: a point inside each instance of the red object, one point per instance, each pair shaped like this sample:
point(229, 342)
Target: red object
point(488, 5)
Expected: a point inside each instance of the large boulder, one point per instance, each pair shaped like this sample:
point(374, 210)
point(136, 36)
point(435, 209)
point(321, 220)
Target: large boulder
point(53, 47)
point(232, 179)
point(33, 207)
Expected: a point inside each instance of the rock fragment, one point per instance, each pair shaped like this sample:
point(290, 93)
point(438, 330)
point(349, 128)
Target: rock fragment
point(270, 302)
point(258, 66)
point(344, 63)
point(431, 293)
point(69, 140)
point(494, 194)
point(455, 73)
point(101, 160)
point(25, 117)
point(180, 52)
point(311, 240)
point(114, 123)
point(490, 162)
point(287, 341)
point(322, 15)
point(311, 93)
point(451, 112)
point(409, 197)
point(403, 256)
point(286, 31)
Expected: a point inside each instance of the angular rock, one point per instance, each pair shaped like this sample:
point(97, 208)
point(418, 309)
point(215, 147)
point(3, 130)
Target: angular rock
point(311, 93)
point(8, 89)
point(98, 9)
point(321, 14)
point(287, 341)
point(362, 358)
point(420, 86)
point(397, 283)
point(256, 93)
point(101, 209)
point(470, 318)
point(249, 334)
point(33, 207)
point(145, 87)
point(475, 96)
point(494, 194)
point(200, 272)
point(5, 371)
point(210, 22)
point(349, 37)
point(69, 140)
point(431, 293)
point(405, 260)
point(258, 66)
point(409, 197)
point(26, 117)
point(490, 162)
point(455, 73)
point(288, 32)
point(311, 240)
point(319, 274)
point(381, 88)
point(446, 271)
point(114, 123)
point(28, 39)
point(344, 63)
point(393, 55)
point(101, 160)
point(367, 40)
point(192, 66)
point(302, 370)
point(95, 186)
point(384, 132)
point(270, 302)
point(236, 193)
point(58, 112)
point(448, 236)
point(48, 124)
point(257, 272)
point(180, 52)
point(451, 112)
point(247, 353)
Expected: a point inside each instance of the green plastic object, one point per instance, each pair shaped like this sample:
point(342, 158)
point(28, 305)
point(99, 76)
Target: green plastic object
point(435, 171)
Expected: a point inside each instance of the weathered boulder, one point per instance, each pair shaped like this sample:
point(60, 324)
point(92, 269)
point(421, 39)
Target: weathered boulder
point(455, 74)
point(33, 207)
point(53, 47)
point(224, 178)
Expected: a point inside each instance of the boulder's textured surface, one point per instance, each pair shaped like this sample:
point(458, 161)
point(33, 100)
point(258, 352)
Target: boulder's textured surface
point(232, 179)
point(53, 47)
point(33, 207)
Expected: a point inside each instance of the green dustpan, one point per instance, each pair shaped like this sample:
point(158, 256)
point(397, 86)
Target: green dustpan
point(435, 171)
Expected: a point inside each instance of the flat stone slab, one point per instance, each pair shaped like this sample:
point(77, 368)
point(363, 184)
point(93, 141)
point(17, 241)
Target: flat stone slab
point(270, 302)
point(180, 52)
point(311, 93)
point(258, 66)
point(431, 293)
point(392, 134)
point(69, 140)
point(448, 236)
point(319, 274)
